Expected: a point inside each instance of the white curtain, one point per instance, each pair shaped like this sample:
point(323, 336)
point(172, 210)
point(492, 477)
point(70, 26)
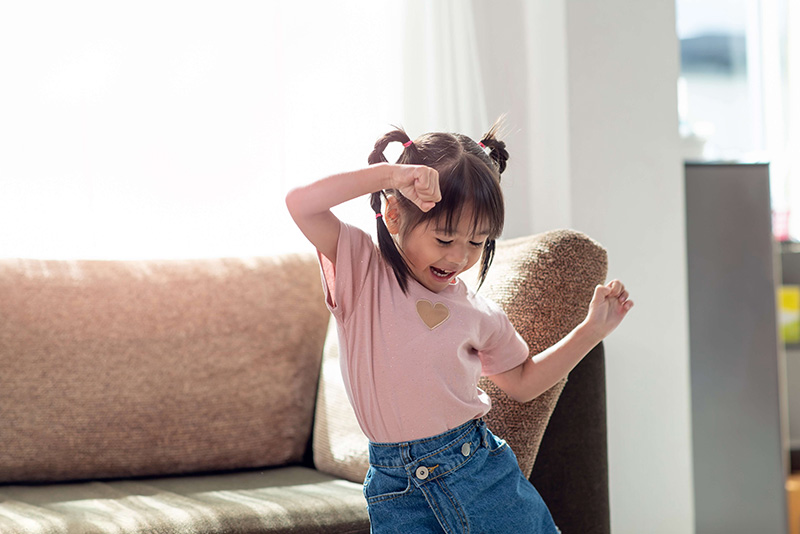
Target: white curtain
point(174, 129)
point(443, 87)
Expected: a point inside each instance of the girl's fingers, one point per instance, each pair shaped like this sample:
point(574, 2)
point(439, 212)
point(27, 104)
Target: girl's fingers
point(435, 181)
point(421, 179)
point(427, 185)
point(430, 182)
point(616, 288)
point(427, 206)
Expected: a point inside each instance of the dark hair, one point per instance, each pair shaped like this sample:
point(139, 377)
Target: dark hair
point(467, 176)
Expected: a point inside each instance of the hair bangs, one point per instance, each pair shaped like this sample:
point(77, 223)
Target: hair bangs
point(469, 185)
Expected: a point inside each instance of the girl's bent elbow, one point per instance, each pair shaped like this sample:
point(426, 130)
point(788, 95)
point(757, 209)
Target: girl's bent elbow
point(293, 202)
point(521, 398)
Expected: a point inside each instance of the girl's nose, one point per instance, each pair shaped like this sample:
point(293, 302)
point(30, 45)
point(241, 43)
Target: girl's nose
point(457, 255)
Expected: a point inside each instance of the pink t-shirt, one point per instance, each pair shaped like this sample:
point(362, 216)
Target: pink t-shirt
point(411, 362)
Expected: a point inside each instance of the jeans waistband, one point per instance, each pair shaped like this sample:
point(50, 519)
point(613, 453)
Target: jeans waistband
point(405, 454)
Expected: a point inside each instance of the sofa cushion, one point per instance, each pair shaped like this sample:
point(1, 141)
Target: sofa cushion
point(544, 283)
point(281, 500)
point(128, 368)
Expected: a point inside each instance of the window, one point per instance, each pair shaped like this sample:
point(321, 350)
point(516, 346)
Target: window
point(733, 92)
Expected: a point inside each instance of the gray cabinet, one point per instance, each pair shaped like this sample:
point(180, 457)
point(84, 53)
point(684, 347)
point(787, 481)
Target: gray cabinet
point(737, 366)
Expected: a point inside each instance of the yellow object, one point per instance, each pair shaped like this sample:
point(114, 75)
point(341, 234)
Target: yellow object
point(793, 499)
point(789, 313)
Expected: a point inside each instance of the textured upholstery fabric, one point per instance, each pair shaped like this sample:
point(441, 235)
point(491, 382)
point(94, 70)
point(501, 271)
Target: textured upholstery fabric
point(544, 283)
point(117, 369)
point(282, 500)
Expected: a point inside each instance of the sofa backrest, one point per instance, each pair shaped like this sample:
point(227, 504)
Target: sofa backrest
point(129, 368)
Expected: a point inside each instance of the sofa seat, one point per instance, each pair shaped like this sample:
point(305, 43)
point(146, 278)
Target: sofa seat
point(287, 499)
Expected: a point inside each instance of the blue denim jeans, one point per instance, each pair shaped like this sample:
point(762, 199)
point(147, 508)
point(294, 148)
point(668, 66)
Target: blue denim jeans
point(464, 480)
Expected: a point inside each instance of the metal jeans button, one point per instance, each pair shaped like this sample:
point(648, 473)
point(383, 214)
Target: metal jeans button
point(422, 472)
point(465, 448)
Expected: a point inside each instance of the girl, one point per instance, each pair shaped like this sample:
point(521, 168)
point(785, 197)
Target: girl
point(414, 340)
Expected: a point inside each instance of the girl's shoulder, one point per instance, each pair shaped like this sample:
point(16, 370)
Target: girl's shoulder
point(356, 241)
point(465, 292)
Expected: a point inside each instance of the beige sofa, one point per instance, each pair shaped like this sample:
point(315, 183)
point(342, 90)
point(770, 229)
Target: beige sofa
point(194, 397)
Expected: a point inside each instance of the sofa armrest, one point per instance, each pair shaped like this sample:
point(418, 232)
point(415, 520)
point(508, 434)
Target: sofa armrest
point(571, 469)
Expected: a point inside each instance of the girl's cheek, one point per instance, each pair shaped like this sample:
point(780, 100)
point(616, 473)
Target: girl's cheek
point(473, 259)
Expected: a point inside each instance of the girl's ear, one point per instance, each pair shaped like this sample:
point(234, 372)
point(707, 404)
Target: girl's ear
point(392, 215)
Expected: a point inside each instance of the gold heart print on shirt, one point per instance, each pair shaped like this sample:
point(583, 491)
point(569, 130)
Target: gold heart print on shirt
point(432, 314)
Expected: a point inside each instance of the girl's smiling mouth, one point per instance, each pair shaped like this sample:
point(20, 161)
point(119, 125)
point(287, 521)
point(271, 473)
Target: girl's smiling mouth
point(441, 274)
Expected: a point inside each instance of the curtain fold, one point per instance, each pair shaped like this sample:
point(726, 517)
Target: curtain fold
point(442, 84)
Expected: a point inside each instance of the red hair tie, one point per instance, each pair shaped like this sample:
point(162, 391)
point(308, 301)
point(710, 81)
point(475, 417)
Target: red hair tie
point(410, 142)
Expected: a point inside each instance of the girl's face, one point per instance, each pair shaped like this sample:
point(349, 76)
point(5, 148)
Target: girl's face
point(435, 256)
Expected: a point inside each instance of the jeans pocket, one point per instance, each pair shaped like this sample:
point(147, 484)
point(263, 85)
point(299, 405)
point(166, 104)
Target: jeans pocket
point(380, 485)
point(494, 444)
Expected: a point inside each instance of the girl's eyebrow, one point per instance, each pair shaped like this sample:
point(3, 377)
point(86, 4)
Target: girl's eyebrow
point(444, 230)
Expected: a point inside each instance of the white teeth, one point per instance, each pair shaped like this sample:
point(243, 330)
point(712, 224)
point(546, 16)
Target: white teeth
point(440, 272)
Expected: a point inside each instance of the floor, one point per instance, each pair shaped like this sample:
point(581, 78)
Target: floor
point(793, 494)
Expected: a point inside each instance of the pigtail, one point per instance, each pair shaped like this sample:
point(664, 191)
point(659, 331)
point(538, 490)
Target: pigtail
point(499, 155)
point(386, 243)
point(497, 148)
point(486, 260)
point(398, 134)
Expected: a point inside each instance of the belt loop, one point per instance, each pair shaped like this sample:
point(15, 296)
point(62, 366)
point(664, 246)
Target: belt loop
point(405, 454)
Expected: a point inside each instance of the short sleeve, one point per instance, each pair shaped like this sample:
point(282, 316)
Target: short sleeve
point(504, 349)
point(356, 259)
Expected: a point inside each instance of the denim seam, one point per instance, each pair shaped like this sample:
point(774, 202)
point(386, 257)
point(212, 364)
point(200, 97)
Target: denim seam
point(456, 442)
point(498, 450)
point(437, 513)
point(404, 450)
point(454, 468)
point(456, 506)
point(390, 496)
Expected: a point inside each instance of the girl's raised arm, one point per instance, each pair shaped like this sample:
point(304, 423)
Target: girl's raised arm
point(310, 205)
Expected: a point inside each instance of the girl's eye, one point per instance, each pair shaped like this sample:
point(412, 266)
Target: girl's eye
point(474, 244)
point(443, 242)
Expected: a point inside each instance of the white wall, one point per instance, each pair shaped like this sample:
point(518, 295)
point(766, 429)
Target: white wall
point(524, 64)
point(627, 191)
point(602, 156)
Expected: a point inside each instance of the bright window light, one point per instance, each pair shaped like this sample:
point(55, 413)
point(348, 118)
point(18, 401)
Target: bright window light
point(175, 129)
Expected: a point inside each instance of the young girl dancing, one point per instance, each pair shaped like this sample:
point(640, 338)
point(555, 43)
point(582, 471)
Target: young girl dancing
point(414, 340)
